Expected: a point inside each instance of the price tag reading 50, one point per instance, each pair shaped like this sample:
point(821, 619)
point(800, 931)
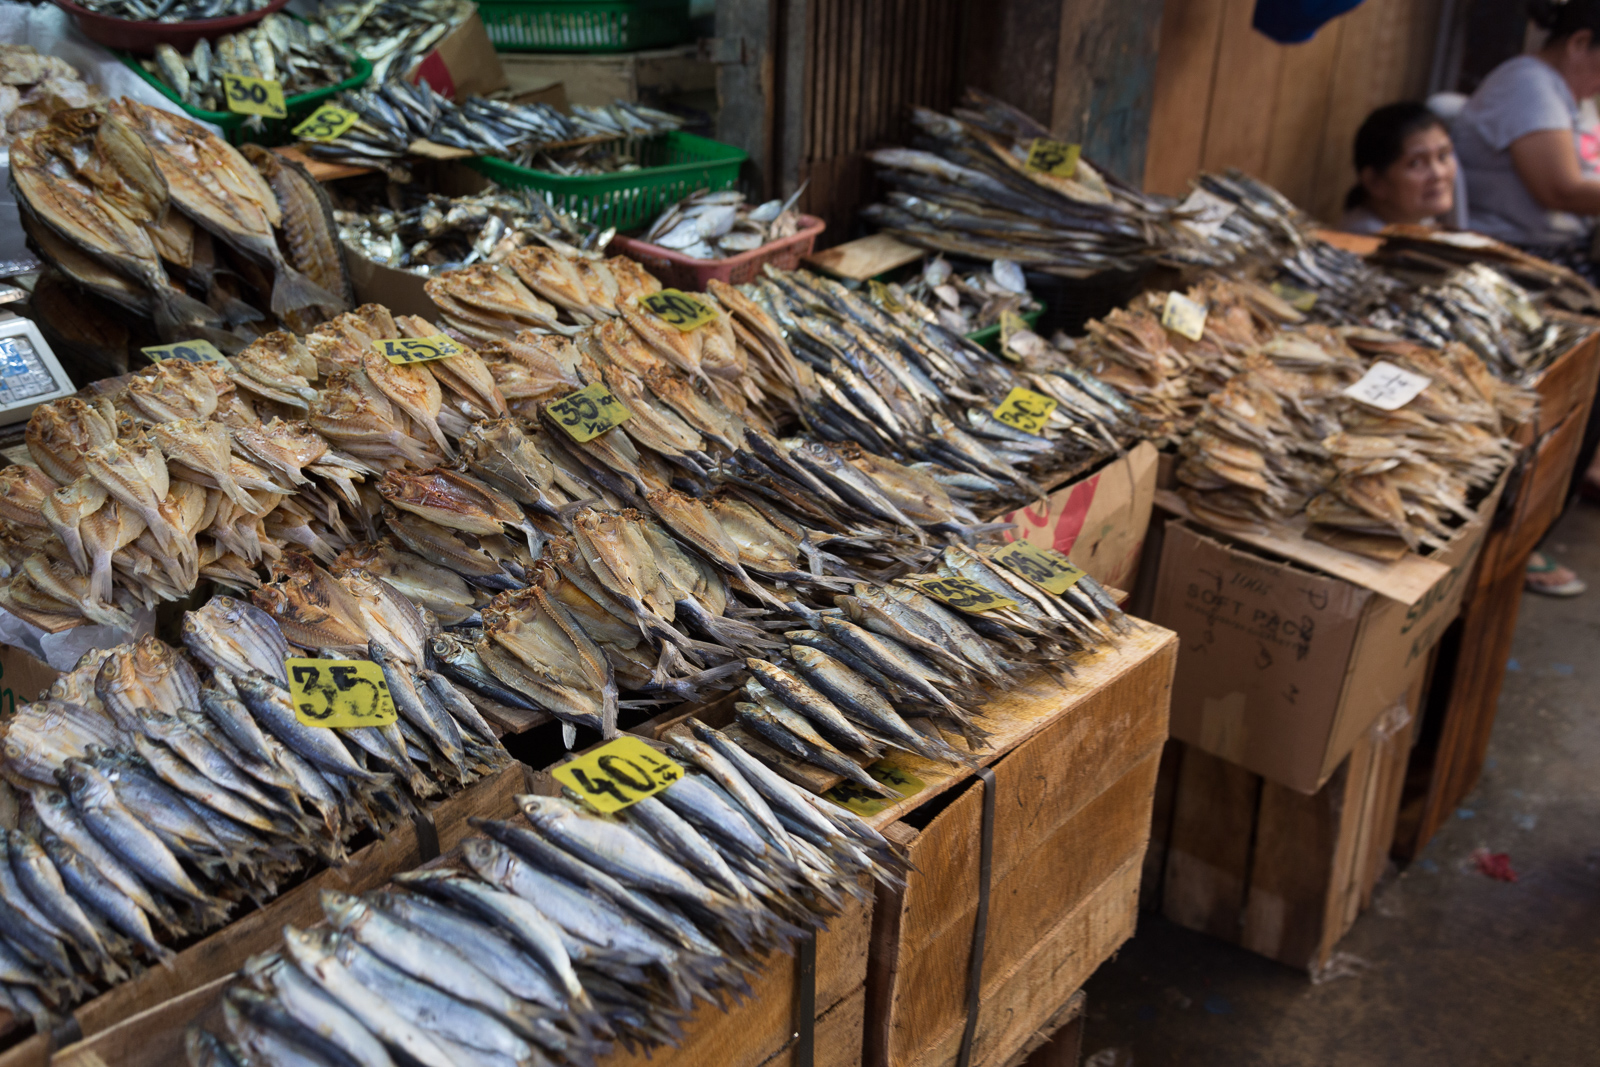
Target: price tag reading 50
point(326, 123)
point(188, 351)
point(1044, 567)
point(682, 311)
point(339, 694)
point(618, 775)
point(964, 593)
point(588, 413)
point(254, 96)
point(417, 349)
point(1026, 410)
point(1056, 158)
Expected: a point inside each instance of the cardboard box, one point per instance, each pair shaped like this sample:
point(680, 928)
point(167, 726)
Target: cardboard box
point(23, 678)
point(398, 290)
point(463, 64)
point(597, 79)
point(1099, 521)
point(1291, 648)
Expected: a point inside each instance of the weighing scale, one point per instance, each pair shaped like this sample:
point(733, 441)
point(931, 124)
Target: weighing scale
point(30, 375)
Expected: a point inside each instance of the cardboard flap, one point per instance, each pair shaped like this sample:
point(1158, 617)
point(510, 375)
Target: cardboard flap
point(1407, 579)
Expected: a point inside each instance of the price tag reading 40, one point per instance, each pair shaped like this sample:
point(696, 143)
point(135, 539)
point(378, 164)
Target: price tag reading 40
point(964, 593)
point(403, 350)
point(1026, 410)
point(617, 775)
point(1044, 567)
point(188, 351)
point(588, 413)
point(339, 694)
point(1184, 317)
point(254, 96)
point(1056, 158)
point(682, 311)
point(326, 123)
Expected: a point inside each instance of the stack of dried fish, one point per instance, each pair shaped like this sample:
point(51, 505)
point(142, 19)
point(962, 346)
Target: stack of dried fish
point(560, 934)
point(970, 192)
point(707, 225)
point(173, 10)
point(34, 87)
point(300, 56)
point(968, 304)
point(393, 35)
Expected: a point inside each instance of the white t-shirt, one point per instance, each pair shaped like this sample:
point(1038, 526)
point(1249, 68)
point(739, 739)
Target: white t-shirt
point(1521, 96)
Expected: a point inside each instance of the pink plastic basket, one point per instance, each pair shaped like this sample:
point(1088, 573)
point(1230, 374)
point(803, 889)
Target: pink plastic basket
point(141, 37)
point(678, 271)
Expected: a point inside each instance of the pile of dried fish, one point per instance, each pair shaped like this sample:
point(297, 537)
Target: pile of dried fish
point(970, 192)
point(300, 56)
point(34, 87)
point(428, 232)
point(968, 304)
point(173, 10)
point(707, 225)
point(393, 35)
point(561, 934)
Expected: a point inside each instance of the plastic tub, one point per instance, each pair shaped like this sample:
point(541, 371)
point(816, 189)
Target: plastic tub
point(574, 26)
point(989, 336)
point(678, 271)
point(675, 165)
point(141, 36)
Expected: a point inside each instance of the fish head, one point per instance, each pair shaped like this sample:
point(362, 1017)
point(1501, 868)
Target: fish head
point(23, 492)
point(342, 909)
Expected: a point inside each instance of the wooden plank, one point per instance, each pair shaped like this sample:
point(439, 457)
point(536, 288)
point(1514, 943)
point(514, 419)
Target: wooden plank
point(1181, 97)
point(1295, 143)
point(152, 1038)
point(1105, 70)
point(1163, 808)
point(865, 257)
point(1208, 855)
point(320, 169)
point(1059, 1042)
point(1240, 122)
point(1363, 79)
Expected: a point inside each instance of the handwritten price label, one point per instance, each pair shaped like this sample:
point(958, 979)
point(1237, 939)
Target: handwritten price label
point(1044, 567)
point(884, 297)
point(963, 593)
point(1387, 387)
point(867, 804)
point(337, 693)
point(1026, 410)
point(618, 775)
point(402, 350)
point(326, 123)
point(254, 96)
point(1184, 317)
point(588, 413)
point(188, 351)
point(1056, 158)
point(681, 311)
point(1300, 299)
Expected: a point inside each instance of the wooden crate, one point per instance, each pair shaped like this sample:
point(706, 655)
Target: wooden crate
point(1072, 795)
point(221, 953)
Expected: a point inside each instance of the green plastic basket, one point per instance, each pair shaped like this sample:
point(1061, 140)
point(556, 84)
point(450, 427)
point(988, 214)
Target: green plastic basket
point(989, 336)
point(674, 165)
point(574, 26)
point(273, 131)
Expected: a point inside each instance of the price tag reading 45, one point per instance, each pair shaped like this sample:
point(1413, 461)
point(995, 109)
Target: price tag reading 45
point(963, 593)
point(326, 123)
point(1184, 317)
point(1044, 567)
point(188, 351)
point(1026, 410)
point(682, 311)
point(617, 775)
point(337, 693)
point(417, 349)
point(588, 413)
point(254, 96)
point(1056, 158)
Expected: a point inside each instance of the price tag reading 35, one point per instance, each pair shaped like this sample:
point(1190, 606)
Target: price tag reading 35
point(1387, 387)
point(1044, 567)
point(1184, 317)
point(618, 775)
point(326, 123)
point(188, 351)
point(681, 311)
point(963, 593)
point(589, 412)
point(254, 96)
point(1055, 158)
point(1026, 410)
point(339, 694)
point(403, 350)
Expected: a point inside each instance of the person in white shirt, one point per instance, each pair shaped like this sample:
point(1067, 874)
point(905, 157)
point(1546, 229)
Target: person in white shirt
point(1406, 170)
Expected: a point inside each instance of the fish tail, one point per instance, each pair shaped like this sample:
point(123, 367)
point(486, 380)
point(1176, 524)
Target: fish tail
point(176, 313)
point(292, 291)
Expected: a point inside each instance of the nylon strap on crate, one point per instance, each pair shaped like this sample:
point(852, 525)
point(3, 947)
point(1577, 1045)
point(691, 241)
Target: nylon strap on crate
point(980, 928)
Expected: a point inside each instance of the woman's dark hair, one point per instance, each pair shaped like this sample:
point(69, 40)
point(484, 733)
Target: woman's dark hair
point(1563, 18)
point(1381, 140)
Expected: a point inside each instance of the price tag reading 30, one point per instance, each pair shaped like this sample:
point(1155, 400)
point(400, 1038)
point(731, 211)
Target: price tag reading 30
point(1056, 158)
point(588, 413)
point(1026, 410)
point(681, 311)
point(188, 351)
point(1044, 567)
point(963, 593)
point(618, 775)
point(401, 350)
point(254, 96)
point(1387, 387)
point(326, 123)
point(1184, 317)
point(339, 694)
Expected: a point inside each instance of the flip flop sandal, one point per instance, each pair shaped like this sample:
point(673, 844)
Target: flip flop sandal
point(1571, 587)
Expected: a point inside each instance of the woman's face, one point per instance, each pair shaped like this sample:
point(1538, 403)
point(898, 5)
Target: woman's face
point(1420, 185)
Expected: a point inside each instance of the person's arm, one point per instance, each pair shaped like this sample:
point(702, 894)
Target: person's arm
point(1547, 163)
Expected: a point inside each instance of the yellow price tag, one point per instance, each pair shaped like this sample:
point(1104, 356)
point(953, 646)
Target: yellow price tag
point(588, 413)
point(326, 123)
point(963, 593)
point(866, 804)
point(254, 96)
point(884, 297)
point(1026, 410)
point(618, 774)
point(417, 349)
point(1056, 158)
point(188, 351)
point(1300, 299)
point(339, 693)
point(1184, 317)
point(1044, 567)
point(682, 311)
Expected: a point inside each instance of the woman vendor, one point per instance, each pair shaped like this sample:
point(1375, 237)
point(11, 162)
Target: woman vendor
point(1406, 168)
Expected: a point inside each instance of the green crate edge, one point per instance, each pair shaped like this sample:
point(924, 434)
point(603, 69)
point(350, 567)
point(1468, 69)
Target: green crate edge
point(989, 336)
point(660, 30)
